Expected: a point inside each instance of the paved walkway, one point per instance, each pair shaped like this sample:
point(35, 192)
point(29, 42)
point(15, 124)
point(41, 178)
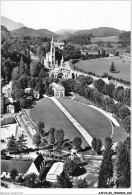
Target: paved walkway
point(84, 133)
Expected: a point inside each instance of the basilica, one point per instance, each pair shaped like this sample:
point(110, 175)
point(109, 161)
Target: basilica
point(57, 70)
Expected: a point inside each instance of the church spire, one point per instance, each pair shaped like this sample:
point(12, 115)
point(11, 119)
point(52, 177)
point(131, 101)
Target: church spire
point(52, 40)
point(62, 61)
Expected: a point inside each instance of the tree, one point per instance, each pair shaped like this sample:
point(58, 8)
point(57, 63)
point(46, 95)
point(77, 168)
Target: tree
point(21, 143)
point(7, 68)
point(59, 139)
point(35, 67)
point(127, 96)
point(112, 67)
point(81, 183)
point(122, 165)
point(106, 169)
point(23, 82)
point(123, 112)
point(96, 145)
point(22, 66)
point(59, 136)
point(63, 181)
point(13, 174)
point(127, 144)
point(40, 127)
point(105, 89)
point(76, 160)
point(77, 142)
point(119, 94)
point(99, 84)
point(111, 90)
point(37, 139)
point(12, 144)
point(108, 143)
point(23, 103)
point(126, 124)
point(44, 142)
point(52, 135)
point(32, 82)
point(69, 167)
point(43, 73)
point(30, 180)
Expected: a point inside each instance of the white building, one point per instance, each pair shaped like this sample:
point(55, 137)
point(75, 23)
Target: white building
point(61, 71)
point(7, 89)
point(10, 108)
point(56, 170)
point(59, 90)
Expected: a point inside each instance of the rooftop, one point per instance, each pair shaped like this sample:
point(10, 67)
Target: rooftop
point(19, 165)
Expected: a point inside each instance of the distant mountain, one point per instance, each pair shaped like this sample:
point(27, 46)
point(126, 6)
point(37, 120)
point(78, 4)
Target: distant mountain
point(10, 24)
point(32, 32)
point(99, 32)
point(47, 32)
point(65, 31)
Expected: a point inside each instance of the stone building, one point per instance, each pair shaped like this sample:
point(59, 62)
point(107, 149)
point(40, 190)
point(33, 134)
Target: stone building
point(59, 90)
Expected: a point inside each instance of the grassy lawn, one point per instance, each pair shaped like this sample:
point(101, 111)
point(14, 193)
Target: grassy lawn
point(45, 110)
point(101, 65)
point(92, 120)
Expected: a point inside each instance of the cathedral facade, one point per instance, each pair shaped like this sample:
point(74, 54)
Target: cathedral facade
point(56, 70)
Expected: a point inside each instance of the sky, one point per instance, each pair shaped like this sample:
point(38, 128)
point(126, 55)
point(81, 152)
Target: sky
point(57, 15)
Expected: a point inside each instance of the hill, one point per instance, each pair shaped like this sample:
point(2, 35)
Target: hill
point(99, 32)
point(105, 39)
point(10, 24)
point(48, 32)
point(32, 32)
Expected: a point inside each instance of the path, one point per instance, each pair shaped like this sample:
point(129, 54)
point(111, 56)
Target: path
point(84, 133)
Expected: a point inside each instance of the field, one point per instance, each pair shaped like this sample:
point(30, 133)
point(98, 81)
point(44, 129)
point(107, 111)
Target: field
point(101, 65)
point(92, 120)
point(105, 39)
point(45, 110)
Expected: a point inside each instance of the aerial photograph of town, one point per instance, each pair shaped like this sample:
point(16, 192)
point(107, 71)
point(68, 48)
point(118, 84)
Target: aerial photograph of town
point(65, 96)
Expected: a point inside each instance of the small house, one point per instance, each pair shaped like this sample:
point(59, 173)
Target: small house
point(10, 108)
point(56, 170)
point(28, 90)
point(23, 167)
point(36, 94)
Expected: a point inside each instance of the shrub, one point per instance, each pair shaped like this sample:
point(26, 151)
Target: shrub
point(4, 185)
point(81, 183)
point(24, 103)
point(69, 167)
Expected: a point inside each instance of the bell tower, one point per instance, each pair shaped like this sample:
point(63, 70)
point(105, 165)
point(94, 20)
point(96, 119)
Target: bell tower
point(52, 52)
